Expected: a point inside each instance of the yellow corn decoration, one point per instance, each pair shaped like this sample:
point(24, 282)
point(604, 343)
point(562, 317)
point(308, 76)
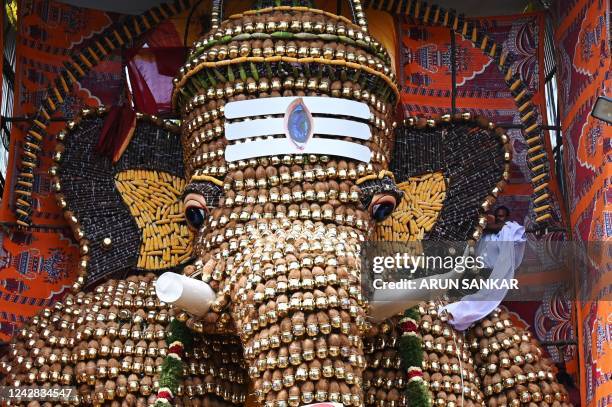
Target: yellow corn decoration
point(154, 201)
point(418, 211)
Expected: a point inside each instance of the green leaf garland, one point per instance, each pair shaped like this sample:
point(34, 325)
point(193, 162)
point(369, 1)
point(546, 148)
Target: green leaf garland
point(411, 353)
point(180, 340)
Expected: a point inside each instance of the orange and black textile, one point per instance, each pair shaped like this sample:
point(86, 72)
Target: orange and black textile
point(582, 36)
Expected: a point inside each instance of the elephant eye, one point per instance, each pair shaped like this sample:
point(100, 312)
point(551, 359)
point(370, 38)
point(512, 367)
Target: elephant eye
point(195, 210)
point(195, 216)
point(381, 207)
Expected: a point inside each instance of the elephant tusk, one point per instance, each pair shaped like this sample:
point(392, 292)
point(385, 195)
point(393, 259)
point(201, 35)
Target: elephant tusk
point(186, 293)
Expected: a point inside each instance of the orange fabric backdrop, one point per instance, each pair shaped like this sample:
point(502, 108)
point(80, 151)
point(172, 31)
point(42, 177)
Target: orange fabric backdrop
point(585, 71)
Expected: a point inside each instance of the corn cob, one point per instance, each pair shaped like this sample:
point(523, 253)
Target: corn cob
point(153, 199)
point(418, 211)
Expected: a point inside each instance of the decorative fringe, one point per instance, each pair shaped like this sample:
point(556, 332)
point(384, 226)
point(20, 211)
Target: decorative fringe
point(411, 352)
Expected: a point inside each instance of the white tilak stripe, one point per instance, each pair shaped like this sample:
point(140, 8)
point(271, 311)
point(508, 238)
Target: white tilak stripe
point(274, 126)
point(281, 146)
point(279, 105)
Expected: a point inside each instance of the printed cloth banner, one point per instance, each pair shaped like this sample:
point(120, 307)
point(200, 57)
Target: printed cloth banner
point(425, 73)
point(584, 69)
point(47, 32)
point(38, 266)
point(585, 72)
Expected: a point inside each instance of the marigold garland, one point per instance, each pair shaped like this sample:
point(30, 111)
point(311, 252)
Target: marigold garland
point(411, 352)
point(180, 340)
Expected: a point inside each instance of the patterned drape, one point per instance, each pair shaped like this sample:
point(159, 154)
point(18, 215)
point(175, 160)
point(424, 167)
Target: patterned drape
point(584, 68)
point(47, 30)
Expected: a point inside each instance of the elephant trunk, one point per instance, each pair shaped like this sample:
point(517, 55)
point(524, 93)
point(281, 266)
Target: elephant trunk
point(297, 308)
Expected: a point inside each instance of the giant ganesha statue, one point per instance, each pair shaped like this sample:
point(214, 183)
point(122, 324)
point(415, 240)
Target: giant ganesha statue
point(291, 160)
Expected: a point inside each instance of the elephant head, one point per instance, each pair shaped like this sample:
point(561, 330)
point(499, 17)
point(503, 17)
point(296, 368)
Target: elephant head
point(287, 139)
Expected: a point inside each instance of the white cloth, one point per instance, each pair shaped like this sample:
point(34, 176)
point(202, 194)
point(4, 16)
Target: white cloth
point(503, 252)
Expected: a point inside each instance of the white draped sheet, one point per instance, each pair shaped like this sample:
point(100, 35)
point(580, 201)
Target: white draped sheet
point(503, 253)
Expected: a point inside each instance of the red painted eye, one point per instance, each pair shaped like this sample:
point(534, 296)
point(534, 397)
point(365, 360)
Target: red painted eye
point(195, 211)
point(381, 207)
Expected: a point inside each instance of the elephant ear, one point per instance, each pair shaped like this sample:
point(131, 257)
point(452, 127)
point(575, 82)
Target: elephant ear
point(451, 171)
point(418, 211)
point(121, 191)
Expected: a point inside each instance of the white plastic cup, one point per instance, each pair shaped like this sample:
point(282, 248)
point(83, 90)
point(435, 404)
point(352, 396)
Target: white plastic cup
point(191, 295)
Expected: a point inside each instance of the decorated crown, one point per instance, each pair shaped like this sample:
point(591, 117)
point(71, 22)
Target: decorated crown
point(285, 80)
